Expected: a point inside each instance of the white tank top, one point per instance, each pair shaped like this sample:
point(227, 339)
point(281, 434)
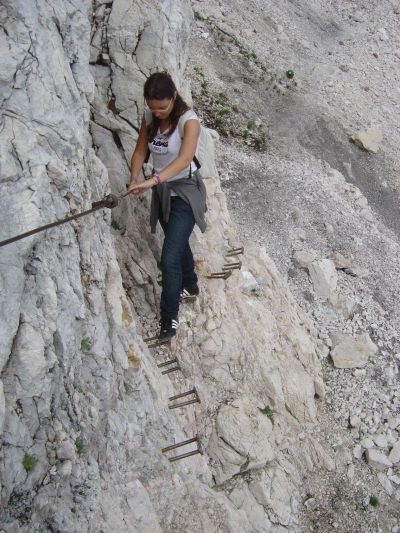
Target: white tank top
point(165, 149)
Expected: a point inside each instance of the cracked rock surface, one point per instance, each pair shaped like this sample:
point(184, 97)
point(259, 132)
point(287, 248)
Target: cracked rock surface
point(83, 406)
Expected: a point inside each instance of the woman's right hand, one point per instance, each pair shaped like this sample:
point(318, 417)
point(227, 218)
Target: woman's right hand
point(133, 182)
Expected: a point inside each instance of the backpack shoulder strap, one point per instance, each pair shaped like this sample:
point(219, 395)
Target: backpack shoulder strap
point(181, 123)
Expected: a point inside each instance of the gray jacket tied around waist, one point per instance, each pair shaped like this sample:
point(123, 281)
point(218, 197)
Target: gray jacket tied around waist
point(191, 190)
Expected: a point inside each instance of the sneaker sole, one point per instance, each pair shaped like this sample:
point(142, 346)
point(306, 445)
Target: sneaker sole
point(167, 338)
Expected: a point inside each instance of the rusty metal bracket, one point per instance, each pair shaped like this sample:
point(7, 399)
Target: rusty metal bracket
point(188, 299)
point(183, 455)
point(196, 399)
point(110, 201)
point(168, 363)
point(154, 341)
point(234, 251)
point(217, 275)
point(237, 265)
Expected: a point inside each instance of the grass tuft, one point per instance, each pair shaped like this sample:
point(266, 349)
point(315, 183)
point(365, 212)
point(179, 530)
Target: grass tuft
point(199, 16)
point(374, 501)
point(86, 344)
point(29, 462)
point(79, 445)
point(114, 224)
point(267, 411)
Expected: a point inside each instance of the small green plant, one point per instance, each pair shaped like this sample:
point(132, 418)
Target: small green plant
point(114, 224)
point(267, 410)
point(128, 388)
point(29, 462)
point(189, 323)
point(159, 278)
point(374, 502)
point(290, 74)
point(86, 344)
point(260, 141)
point(224, 111)
point(245, 53)
point(79, 445)
point(222, 115)
point(199, 16)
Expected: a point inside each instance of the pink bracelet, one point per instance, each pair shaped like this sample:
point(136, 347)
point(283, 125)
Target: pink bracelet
point(158, 179)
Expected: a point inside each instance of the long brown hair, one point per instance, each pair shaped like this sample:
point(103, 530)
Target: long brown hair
point(158, 87)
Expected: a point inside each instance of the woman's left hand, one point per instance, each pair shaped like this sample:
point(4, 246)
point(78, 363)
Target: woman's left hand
point(140, 188)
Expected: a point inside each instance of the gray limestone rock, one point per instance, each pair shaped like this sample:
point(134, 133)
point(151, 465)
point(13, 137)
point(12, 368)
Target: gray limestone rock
point(303, 258)
point(243, 438)
point(351, 352)
point(369, 139)
point(324, 277)
point(66, 451)
point(394, 455)
point(377, 460)
point(340, 261)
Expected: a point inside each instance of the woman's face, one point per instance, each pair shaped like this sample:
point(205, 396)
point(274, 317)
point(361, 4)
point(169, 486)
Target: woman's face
point(161, 109)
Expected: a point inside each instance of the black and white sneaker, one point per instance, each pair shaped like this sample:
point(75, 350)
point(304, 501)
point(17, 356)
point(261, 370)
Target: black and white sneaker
point(189, 294)
point(168, 327)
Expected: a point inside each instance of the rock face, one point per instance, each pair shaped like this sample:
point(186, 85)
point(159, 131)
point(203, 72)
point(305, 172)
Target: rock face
point(83, 407)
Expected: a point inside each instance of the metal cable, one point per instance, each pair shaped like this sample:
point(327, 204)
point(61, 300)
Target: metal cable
point(110, 201)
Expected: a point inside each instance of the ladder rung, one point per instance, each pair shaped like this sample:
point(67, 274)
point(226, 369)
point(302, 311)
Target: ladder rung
point(183, 404)
point(232, 266)
point(169, 362)
point(177, 396)
point(179, 444)
point(183, 456)
point(234, 251)
point(222, 275)
point(171, 370)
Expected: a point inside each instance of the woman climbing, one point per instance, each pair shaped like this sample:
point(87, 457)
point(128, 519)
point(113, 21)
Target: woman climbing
point(170, 131)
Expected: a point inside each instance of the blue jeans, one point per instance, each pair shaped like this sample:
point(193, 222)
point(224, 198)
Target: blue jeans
point(176, 258)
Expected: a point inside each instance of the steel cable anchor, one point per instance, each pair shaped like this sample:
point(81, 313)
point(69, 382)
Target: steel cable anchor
point(110, 201)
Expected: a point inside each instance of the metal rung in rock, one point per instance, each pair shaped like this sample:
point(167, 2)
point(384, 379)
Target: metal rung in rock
point(234, 251)
point(189, 299)
point(183, 455)
point(237, 265)
point(154, 341)
point(170, 362)
point(196, 399)
point(223, 275)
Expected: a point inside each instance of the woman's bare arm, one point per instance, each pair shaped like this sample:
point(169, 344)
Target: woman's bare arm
point(139, 153)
